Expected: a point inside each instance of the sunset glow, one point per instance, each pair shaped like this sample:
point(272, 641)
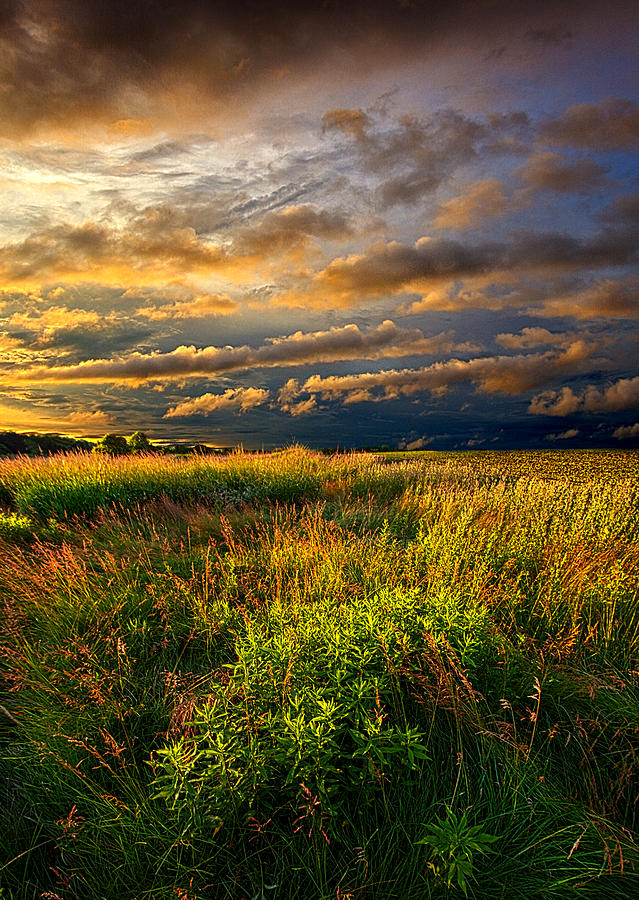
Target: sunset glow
point(399, 223)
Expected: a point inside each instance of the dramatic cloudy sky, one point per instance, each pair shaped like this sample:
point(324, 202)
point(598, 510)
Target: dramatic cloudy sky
point(355, 222)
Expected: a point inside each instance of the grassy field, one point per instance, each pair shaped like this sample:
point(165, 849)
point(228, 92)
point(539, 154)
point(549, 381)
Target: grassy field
point(296, 676)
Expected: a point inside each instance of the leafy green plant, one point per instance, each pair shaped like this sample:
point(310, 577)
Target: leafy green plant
point(453, 844)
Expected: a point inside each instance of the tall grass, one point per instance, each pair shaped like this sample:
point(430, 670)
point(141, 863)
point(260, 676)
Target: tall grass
point(293, 676)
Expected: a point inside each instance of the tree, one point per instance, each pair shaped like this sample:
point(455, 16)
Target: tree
point(200, 449)
point(139, 443)
point(113, 444)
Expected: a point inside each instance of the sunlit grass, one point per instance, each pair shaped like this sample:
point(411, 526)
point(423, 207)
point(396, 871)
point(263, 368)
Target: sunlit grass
point(279, 676)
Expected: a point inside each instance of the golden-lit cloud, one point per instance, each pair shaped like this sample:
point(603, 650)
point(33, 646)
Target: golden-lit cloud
point(239, 399)
point(566, 435)
point(550, 298)
point(388, 268)
point(88, 423)
point(197, 307)
point(89, 420)
point(11, 349)
point(288, 399)
point(482, 200)
point(610, 298)
point(616, 396)
point(196, 189)
point(417, 444)
point(528, 338)
point(508, 375)
point(353, 122)
point(626, 431)
point(160, 245)
point(52, 318)
point(151, 250)
point(337, 343)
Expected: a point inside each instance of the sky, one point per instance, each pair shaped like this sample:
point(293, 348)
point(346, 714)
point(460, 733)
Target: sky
point(399, 223)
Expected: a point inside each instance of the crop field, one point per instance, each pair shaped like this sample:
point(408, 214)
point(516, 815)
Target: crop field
point(350, 677)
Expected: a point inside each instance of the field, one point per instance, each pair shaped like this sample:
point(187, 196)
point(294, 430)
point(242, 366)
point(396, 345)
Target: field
point(329, 678)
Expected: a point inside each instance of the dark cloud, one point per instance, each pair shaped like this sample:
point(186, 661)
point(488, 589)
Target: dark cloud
point(624, 211)
point(558, 34)
point(388, 268)
point(65, 59)
point(413, 157)
point(289, 228)
point(610, 124)
point(547, 171)
point(117, 60)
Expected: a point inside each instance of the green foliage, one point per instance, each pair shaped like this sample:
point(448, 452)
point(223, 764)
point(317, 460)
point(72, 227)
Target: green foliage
point(139, 443)
point(33, 444)
point(112, 444)
point(452, 843)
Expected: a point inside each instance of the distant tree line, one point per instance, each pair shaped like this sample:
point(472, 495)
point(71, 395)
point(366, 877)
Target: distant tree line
point(138, 442)
point(33, 444)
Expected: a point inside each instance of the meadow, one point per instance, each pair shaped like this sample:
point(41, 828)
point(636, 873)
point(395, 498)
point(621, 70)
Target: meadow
point(322, 677)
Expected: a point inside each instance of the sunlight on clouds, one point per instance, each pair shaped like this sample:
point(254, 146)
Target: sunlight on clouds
point(85, 423)
point(482, 200)
point(200, 192)
point(239, 399)
point(300, 348)
point(616, 396)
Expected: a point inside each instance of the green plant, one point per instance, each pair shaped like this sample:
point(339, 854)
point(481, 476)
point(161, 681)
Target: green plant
point(453, 843)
